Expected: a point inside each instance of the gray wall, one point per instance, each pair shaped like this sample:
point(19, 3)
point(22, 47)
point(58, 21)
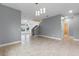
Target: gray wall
point(74, 27)
point(51, 27)
point(9, 24)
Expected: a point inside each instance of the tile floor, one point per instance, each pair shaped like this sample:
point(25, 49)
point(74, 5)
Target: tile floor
point(43, 47)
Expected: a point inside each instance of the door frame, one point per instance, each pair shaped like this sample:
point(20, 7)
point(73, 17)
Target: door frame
point(62, 28)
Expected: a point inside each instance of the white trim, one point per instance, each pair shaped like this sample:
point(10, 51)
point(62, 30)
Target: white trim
point(62, 28)
point(55, 37)
point(7, 44)
point(76, 39)
point(50, 37)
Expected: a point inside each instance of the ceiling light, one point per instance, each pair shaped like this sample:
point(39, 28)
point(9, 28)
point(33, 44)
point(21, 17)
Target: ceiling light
point(38, 13)
point(44, 10)
point(70, 11)
point(36, 3)
point(41, 11)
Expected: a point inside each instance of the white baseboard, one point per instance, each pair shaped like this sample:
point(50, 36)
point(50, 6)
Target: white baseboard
point(11, 43)
point(76, 39)
point(56, 37)
point(50, 37)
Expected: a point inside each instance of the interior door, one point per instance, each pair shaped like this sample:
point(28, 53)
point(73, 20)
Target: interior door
point(66, 30)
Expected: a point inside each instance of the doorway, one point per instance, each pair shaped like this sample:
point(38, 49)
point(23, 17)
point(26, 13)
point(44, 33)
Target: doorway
point(66, 29)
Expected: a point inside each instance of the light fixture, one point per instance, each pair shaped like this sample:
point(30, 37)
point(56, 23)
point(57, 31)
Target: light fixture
point(38, 13)
point(70, 11)
point(41, 11)
point(44, 10)
point(36, 3)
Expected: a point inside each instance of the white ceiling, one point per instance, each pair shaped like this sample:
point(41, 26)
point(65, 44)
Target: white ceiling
point(52, 9)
